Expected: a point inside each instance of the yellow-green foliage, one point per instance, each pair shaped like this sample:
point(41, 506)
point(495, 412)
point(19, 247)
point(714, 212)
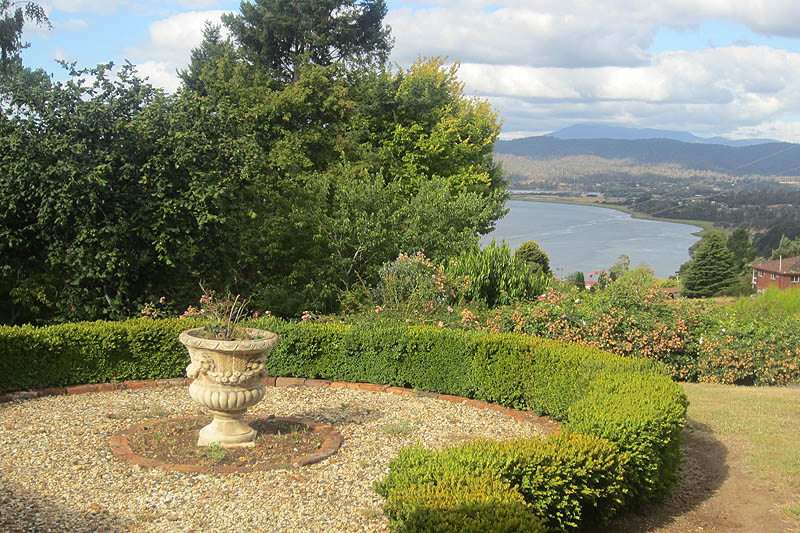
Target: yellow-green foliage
point(643, 415)
point(565, 479)
point(461, 504)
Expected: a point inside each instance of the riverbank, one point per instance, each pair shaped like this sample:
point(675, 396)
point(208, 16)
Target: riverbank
point(595, 201)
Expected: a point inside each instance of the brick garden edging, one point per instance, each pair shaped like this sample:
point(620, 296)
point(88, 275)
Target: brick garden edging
point(547, 425)
point(331, 441)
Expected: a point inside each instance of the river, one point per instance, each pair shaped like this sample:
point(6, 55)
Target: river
point(585, 238)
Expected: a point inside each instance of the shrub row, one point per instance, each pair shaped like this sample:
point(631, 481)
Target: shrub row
point(621, 417)
point(90, 352)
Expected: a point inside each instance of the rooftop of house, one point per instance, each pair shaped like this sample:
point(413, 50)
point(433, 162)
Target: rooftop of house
point(787, 265)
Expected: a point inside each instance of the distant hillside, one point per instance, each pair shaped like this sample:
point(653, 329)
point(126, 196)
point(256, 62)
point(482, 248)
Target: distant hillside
point(777, 159)
point(605, 131)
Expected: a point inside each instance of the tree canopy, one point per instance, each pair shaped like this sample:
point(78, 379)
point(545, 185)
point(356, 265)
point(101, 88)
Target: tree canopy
point(292, 191)
point(787, 248)
point(282, 34)
point(535, 257)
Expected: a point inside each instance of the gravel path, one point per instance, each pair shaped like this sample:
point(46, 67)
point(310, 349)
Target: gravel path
point(57, 472)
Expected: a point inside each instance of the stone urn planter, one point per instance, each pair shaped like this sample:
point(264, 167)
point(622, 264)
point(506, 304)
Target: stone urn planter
point(227, 381)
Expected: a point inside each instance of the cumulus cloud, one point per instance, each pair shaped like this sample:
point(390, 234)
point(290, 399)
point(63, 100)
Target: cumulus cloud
point(546, 64)
point(160, 74)
point(519, 35)
point(171, 42)
point(734, 89)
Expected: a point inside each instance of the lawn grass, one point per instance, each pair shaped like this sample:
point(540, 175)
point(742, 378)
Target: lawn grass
point(765, 420)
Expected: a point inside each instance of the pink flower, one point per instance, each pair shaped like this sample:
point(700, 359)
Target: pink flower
point(563, 316)
point(449, 309)
point(542, 297)
point(441, 324)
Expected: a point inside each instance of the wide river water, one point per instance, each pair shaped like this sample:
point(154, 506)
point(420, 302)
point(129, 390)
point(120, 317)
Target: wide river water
point(585, 238)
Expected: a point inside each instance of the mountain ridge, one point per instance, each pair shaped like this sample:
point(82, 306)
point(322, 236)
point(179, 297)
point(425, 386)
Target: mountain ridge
point(597, 130)
point(775, 158)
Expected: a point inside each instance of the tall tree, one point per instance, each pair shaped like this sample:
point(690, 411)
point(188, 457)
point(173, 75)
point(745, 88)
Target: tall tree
point(282, 34)
point(205, 57)
point(13, 16)
point(712, 270)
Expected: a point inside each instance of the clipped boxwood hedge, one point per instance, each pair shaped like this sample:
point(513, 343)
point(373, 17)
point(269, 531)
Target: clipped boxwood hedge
point(621, 417)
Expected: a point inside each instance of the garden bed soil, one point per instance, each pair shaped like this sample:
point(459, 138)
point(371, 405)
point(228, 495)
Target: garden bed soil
point(279, 444)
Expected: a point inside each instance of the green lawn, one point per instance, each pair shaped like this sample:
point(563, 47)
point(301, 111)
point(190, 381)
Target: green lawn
point(764, 420)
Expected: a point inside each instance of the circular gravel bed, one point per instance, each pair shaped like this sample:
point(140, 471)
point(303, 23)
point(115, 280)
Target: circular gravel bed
point(57, 472)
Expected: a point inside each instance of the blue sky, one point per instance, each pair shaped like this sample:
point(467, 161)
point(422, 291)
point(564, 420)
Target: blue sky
point(714, 68)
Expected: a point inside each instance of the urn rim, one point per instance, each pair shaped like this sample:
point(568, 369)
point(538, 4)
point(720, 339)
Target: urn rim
point(269, 339)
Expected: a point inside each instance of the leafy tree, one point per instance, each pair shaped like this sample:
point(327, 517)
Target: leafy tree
point(282, 34)
point(113, 194)
point(786, 248)
point(536, 258)
point(712, 270)
point(741, 247)
point(212, 49)
point(13, 16)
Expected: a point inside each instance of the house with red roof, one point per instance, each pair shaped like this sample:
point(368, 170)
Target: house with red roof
point(782, 273)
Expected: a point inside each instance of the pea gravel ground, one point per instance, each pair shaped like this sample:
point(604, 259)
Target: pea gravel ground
point(57, 472)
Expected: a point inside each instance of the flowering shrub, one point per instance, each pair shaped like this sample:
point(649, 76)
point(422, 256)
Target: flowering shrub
point(755, 341)
point(758, 346)
point(415, 288)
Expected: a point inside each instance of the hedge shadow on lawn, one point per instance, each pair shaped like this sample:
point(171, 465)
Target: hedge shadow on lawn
point(704, 470)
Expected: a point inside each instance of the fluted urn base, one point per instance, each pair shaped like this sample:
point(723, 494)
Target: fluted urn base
point(227, 430)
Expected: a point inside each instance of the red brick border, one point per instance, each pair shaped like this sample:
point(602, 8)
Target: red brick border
point(547, 425)
point(331, 441)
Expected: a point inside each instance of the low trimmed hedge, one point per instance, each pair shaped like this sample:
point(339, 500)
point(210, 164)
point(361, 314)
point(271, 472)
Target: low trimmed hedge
point(621, 417)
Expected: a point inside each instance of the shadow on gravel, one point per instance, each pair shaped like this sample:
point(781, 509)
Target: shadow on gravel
point(704, 470)
point(347, 413)
point(22, 511)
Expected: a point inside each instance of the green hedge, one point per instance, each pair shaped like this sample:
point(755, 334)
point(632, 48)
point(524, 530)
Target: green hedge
point(622, 417)
point(91, 352)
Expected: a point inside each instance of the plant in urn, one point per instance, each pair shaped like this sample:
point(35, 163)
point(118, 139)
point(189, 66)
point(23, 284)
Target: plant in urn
point(228, 363)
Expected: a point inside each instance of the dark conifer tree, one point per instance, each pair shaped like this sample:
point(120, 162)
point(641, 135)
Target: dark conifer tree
point(281, 34)
point(712, 270)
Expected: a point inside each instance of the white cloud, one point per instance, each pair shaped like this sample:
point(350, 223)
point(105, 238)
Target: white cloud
point(716, 91)
point(159, 74)
point(171, 42)
point(520, 35)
